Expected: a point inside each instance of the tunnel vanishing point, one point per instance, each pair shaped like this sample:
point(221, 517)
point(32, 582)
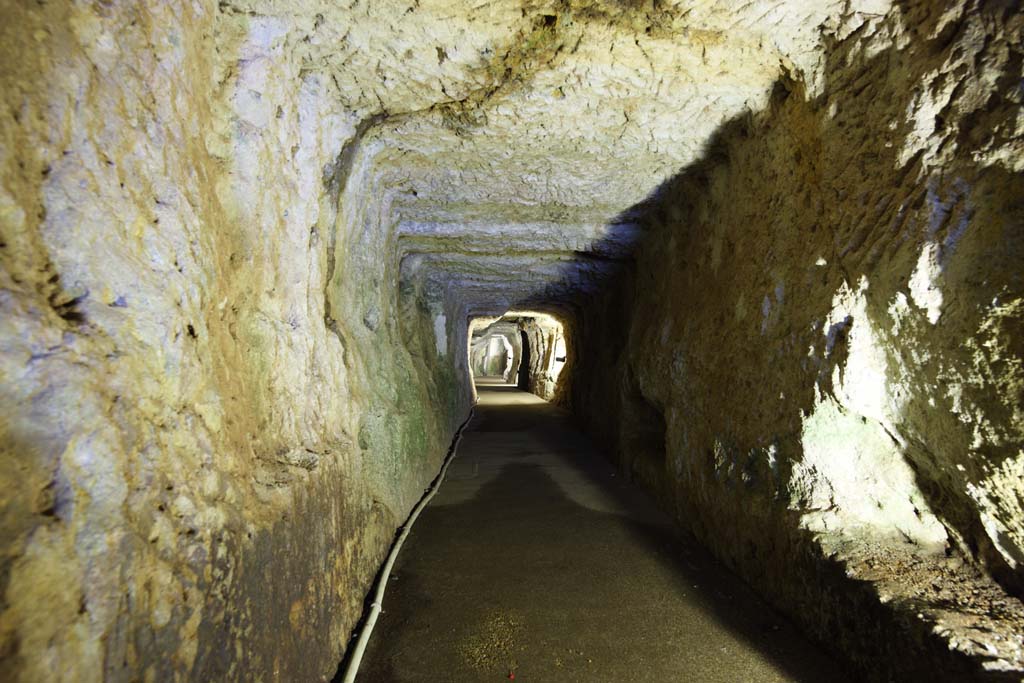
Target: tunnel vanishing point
point(767, 255)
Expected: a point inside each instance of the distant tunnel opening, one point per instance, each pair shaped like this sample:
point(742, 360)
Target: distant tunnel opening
point(526, 349)
point(493, 357)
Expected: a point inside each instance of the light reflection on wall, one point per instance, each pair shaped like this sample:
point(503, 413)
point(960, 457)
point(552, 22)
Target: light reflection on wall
point(496, 343)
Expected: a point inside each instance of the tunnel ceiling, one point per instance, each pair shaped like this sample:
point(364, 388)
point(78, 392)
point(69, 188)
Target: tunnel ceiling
point(507, 140)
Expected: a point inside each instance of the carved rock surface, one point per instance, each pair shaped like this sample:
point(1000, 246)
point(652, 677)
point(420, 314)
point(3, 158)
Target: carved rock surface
point(816, 363)
point(241, 244)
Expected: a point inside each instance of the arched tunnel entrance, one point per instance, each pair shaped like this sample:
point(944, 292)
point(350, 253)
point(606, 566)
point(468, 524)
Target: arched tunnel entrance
point(666, 340)
point(494, 358)
point(527, 349)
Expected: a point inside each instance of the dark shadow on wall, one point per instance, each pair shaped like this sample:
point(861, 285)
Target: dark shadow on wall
point(523, 377)
point(643, 437)
point(524, 575)
point(727, 293)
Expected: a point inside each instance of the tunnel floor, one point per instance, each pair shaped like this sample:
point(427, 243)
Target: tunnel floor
point(536, 558)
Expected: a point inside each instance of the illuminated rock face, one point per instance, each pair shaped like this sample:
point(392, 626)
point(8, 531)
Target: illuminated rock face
point(242, 241)
point(496, 351)
point(819, 352)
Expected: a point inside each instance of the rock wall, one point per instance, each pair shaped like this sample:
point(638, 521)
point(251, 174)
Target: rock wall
point(217, 403)
point(817, 360)
point(543, 333)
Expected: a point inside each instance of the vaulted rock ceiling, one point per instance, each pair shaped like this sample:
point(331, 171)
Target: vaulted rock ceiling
point(507, 141)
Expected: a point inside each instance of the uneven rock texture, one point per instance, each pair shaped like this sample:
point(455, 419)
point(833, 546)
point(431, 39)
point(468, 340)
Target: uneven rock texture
point(816, 360)
point(242, 242)
point(496, 350)
point(545, 337)
point(214, 417)
point(523, 347)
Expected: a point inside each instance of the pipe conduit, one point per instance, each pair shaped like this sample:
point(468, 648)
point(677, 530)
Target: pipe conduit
point(352, 668)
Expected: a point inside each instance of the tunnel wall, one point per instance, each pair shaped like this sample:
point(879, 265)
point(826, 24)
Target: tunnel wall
point(541, 334)
point(213, 421)
point(816, 363)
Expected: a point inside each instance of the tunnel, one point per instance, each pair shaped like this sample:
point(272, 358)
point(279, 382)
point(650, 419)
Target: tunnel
point(547, 340)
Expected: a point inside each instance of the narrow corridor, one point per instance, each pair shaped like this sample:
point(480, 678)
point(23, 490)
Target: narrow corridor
point(764, 254)
point(536, 558)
